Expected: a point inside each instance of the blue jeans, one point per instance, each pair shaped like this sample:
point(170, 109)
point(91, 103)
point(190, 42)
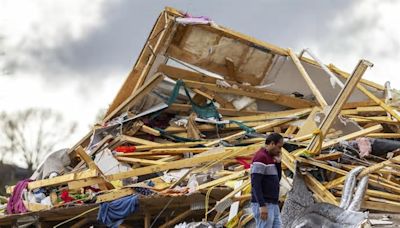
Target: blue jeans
point(274, 216)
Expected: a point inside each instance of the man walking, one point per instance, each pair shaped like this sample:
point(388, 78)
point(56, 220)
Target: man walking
point(266, 173)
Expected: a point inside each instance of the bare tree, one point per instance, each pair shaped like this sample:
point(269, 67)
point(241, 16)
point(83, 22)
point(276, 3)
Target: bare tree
point(33, 133)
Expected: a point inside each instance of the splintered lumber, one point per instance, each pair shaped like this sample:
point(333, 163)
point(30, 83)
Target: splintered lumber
point(259, 129)
point(386, 107)
point(338, 104)
point(86, 158)
point(149, 130)
point(141, 161)
point(168, 145)
point(170, 151)
point(308, 79)
point(384, 135)
point(379, 206)
point(373, 129)
point(238, 69)
point(351, 136)
point(378, 166)
point(114, 194)
point(281, 99)
point(319, 190)
point(223, 111)
point(64, 179)
point(330, 156)
point(269, 115)
point(221, 180)
point(363, 81)
point(137, 95)
point(135, 140)
point(177, 219)
point(183, 163)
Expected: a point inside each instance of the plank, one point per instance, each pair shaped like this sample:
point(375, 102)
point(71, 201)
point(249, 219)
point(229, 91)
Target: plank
point(86, 158)
point(258, 129)
point(353, 135)
point(317, 188)
point(223, 111)
point(253, 92)
point(139, 160)
point(114, 194)
point(338, 104)
point(135, 140)
point(137, 95)
point(59, 180)
point(149, 130)
point(221, 180)
point(381, 103)
point(308, 79)
point(178, 218)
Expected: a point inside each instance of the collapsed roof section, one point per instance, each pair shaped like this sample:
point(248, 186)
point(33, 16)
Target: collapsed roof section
point(202, 53)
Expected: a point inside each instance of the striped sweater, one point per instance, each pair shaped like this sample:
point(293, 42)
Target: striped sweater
point(265, 177)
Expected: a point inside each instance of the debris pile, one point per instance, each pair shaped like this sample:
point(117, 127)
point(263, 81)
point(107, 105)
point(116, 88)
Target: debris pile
point(176, 144)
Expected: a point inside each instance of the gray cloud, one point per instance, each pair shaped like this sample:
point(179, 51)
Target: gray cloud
point(115, 45)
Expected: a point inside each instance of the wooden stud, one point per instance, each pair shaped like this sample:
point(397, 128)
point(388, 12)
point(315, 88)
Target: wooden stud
point(177, 219)
point(114, 194)
point(338, 104)
point(308, 79)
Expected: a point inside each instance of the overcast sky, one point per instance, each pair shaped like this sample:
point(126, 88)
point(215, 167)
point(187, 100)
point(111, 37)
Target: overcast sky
point(73, 55)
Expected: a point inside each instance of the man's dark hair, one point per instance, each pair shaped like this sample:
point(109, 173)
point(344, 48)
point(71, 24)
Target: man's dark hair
point(273, 137)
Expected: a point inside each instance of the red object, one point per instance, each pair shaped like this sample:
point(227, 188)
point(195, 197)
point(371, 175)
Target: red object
point(126, 149)
point(65, 196)
point(243, 161)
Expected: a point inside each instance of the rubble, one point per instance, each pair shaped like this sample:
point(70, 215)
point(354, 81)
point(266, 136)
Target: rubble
point(181, 132)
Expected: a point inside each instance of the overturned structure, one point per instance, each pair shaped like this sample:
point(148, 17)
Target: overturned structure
point(177, 140)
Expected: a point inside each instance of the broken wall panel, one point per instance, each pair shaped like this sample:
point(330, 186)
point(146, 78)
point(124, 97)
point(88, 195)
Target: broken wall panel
point(209, 50)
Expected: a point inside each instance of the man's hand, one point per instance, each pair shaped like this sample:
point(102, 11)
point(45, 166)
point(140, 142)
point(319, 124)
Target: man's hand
point(264, 213)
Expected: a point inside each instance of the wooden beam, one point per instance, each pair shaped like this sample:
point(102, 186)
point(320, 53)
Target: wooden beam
point(59, 180)
point(86, 158)
point(317, 188)
point(149, 130)
point(258, 129)
point(379, 206)
point(377, 166)
point(183, 163)
point(168, 145)
point(221, 180)
point(363, 132)
point(346, 75)
point(253, 92)
point(177, 219)
point(364, 81)
point(338, 104)
point(135, 140)
point(384, 135)
point(141, 161)
point(381, 103)
point(224, 111)
point(308, 79)
point(114, 194)
point(137, 95)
